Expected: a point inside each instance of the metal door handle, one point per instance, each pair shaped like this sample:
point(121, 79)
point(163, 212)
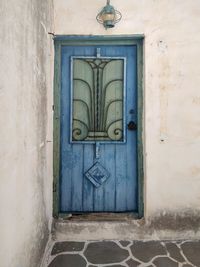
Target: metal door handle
point(132, 126)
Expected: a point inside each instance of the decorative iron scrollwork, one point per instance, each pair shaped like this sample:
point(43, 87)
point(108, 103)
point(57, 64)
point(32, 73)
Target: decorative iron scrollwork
point(98, 86)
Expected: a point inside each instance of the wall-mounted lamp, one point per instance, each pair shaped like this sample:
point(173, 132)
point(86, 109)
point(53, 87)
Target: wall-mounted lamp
point(109, 16)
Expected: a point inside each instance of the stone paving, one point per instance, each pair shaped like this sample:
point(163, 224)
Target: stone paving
point(125, 253)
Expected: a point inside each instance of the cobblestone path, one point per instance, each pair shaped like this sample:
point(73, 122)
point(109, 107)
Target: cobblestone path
point(125, 253)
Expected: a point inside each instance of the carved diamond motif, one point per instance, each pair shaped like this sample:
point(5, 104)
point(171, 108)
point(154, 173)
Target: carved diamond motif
point(97, 174)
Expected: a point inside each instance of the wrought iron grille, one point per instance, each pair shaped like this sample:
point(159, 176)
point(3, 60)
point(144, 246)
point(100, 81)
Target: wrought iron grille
point(97, 99)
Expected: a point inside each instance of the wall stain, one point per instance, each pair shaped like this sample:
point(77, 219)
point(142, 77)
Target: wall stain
point(195, 171)
point(196, 100)
point(179, 221)
point(164, 76)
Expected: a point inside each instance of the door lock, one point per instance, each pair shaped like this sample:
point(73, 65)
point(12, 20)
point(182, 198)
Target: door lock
point(132, 126)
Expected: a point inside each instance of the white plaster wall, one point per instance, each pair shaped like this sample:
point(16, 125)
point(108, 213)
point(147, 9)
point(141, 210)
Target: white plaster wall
point(172, 90)
point(25, 151)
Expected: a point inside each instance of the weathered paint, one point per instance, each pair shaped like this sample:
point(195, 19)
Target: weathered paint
point(26, 52)
point(119, 192)
point(172, 105)
point(171, 91)
point(65, 41)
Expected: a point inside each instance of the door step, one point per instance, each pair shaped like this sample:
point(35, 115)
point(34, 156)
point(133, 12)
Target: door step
point(127, 229)
point(78, 228)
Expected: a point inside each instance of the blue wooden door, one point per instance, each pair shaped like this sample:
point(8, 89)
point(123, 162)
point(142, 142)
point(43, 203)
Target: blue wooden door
point(98, 158)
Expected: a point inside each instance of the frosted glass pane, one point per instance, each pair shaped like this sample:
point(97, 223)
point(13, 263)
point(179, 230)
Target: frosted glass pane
point(98, 86)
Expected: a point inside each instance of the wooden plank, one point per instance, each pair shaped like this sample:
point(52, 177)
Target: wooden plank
point(77, 178)
point(66, 180)
point(131, 187)
point(66, 161)
point(56, 130)
point(88, 200)
point(131, 178)
point(140, 136)
point(121, 178)
point(109, 186)
point(99, 192)
point(99, 39)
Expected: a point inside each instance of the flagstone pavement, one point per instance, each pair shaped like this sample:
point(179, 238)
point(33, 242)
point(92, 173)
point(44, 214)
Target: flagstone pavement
point(125, 253)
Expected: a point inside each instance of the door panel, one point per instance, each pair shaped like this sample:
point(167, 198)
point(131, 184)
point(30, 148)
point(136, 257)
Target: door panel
point(98, 170)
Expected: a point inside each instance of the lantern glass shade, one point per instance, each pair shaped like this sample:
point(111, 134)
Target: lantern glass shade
point(109, 16)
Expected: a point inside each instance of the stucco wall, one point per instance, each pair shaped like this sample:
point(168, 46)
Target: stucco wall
point(172, 94)
point(25, 153)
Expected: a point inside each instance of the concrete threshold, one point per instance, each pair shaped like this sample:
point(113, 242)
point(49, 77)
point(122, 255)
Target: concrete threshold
point(80, 228)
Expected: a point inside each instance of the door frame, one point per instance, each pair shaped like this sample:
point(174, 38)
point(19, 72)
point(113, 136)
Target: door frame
point(70, 40)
